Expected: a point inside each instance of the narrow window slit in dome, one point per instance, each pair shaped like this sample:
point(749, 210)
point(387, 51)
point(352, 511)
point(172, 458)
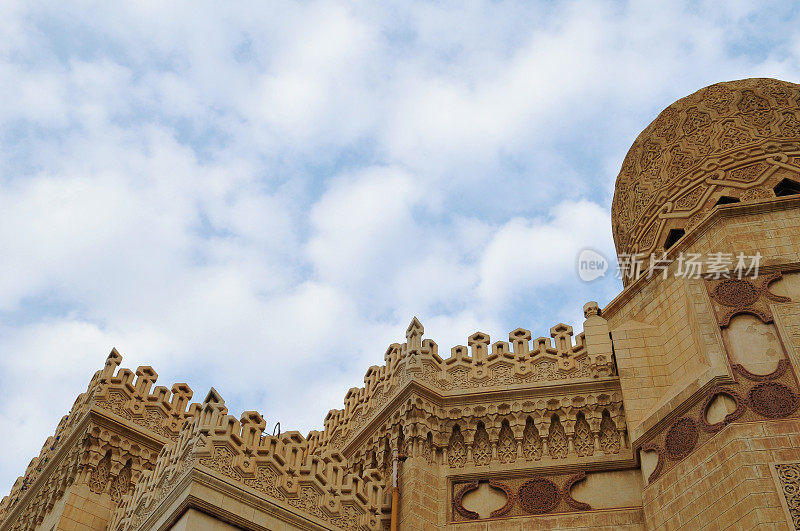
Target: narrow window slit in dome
point(727, 200)
point(673, 236)
point(787, 187)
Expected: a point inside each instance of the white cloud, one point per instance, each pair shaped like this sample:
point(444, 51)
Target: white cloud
point(363, 224)
point(525, 254)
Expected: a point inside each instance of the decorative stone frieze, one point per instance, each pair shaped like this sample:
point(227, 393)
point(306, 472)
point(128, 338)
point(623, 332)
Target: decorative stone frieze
point(789, 481)
point(527, 495)
point(470, 369)
point(510, 434)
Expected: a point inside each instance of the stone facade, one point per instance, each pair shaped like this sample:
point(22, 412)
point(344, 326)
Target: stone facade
point(677, 406)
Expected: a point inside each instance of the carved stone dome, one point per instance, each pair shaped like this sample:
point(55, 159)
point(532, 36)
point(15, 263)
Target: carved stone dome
point(731, 142)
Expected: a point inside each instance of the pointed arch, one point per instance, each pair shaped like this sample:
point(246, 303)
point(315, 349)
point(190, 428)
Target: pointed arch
point(481, 448)
point(506, 443)
point(531, 441)
point(428, 451)
point(457, 450)
point(557, 439)
point(99, 477)
point(121, 483)
point(584, 442)
point(609, 438)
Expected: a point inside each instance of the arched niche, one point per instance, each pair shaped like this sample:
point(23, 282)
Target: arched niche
point(753, 344)
point(649, 463)
point(609, 489)
point(484, 500)
point(719, 407)
point(787, 286)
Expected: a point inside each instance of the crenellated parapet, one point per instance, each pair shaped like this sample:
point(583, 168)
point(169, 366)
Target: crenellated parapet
point(111, 435)
point(132, 396)
point(280, 469)
point(481, 365)
point(519, 403)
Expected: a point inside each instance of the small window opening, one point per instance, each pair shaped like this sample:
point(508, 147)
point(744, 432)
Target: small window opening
point(787, 187)
point(727, 200)
point(673, 236)
point(613, 354)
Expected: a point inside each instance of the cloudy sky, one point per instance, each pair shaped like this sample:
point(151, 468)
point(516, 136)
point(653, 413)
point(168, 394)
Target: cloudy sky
point(261, 198)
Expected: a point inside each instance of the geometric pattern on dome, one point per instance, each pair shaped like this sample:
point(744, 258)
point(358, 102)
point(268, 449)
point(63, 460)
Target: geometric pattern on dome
point(736, 139)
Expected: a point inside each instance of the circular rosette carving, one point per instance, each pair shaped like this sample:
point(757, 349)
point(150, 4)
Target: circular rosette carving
point(736, 293)
point(681, 438)
point(773, 400)
point(538, 496)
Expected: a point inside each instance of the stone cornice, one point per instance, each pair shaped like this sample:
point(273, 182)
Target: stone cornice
point(596, 464)
point(522, 392)
point(126, 428)
point(476, 372)
point(185, 495)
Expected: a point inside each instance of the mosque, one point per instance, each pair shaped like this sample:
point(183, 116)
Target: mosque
point(676, 407)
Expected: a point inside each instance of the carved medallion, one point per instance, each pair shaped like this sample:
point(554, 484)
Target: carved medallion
point(736, 293)
point(538, 496)
point(681, 438)
point(733, 296)
point(773, 400)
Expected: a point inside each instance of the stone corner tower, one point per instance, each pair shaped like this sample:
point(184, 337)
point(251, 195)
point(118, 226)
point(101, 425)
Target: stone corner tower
point(707, 332)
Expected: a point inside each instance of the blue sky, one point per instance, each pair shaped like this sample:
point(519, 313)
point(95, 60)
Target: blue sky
point(261, 198)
